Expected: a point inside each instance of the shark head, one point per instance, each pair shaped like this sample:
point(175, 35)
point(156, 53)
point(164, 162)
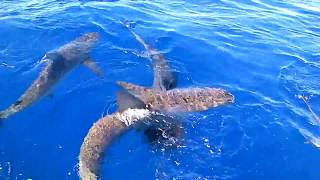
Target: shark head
point(85, 43)
point(91, 37)
point(214, 96)
point(78, 50)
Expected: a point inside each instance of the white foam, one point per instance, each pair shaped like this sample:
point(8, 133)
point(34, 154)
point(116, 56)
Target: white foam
point(130, 116)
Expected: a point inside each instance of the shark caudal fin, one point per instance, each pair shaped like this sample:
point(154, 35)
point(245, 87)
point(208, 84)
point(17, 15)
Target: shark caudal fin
point(16, 107)
point(6, 113)
point(125, 101)
point(3, 115)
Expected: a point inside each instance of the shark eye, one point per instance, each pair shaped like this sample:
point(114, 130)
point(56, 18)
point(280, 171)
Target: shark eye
point(185, 100)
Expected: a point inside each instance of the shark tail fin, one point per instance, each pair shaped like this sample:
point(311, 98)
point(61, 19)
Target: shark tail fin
point(6, 113)
point(129, 25)
point(11, 110)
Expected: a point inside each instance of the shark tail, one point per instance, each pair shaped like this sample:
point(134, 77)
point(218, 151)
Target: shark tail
point(129, 26)
point(314, 115)
point(8, 112)
point(97, 140)
point(16, 107)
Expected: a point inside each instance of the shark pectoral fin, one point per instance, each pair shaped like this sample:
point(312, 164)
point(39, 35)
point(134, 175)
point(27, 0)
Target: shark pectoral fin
point(89, 63)
point(136, 90)
point(126, 100)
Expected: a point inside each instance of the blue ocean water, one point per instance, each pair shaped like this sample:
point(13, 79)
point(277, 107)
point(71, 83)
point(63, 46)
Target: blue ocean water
point(267, 53)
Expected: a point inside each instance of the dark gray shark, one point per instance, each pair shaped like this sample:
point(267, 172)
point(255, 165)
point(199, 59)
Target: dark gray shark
point(164, 78)
point(59, 63)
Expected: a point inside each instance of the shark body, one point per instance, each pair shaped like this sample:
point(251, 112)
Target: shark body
point(179, 99)
point(59, 63)
point(101, 135)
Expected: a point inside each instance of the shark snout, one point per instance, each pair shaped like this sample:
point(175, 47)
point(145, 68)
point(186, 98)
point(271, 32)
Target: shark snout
point(228, 97)
point(222, 96)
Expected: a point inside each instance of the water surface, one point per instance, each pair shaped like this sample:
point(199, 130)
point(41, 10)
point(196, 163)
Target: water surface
point(265, 52)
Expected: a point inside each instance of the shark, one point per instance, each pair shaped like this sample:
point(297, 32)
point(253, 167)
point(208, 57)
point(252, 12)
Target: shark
point(164, 129)
point(101, 135)
point(179, 99)
point(106, 129)
point(58, 63)
point(164, 77)
point(139, 105)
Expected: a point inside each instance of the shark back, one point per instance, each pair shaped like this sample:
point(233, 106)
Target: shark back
point(192, 99)
point(180, 100)
point(101, 135)
point(59, 63)
point(78, 49)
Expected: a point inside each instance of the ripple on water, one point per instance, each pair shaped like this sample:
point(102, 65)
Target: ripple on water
point(207, 42)
point(207, 151)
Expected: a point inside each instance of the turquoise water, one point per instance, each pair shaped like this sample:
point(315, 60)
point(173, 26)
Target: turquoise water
point(265, 52)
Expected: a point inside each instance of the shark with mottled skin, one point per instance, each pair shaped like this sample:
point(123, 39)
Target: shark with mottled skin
point(164, 129)
point(105, 130)
point(59, 63)
point(101, 135)
point(179, 100)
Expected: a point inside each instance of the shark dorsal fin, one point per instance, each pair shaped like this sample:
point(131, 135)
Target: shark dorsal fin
point(125, 100)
